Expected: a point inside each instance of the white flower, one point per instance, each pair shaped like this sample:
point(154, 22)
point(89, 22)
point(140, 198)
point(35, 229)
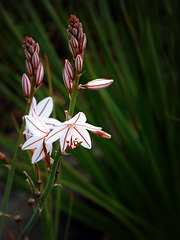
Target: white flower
point(74, 132)
point(39, 131)
point(43, 110)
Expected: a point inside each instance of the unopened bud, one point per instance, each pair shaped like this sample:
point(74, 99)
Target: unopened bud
point(80, 35)
point(31, 49)
point(29, 68)
point(31, 202)
point(74, 31)
point(67, 81)
point(39, 74)
point(69, 69)
point(97, 84)
point(18, 219)
point(102, 134)
point(83, 42)
point(27, 55)
point(72, 49)
point(38, 194)
point(26, 85)
point(79, 63)
point(75, 43)
point(37, 49)
point(35, 60)
point(68, 33)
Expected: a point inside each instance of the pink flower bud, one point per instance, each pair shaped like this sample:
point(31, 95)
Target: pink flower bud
point(83, 42)
point(68, 33)
point(80, 35)
point(37, 49)
point(31, 49)
point(101, 133)
point(74, 41)
point(35, 60)
point(26, 85)
point(27, 55)
point(67, 81)
point(74, 31)
point(97, 84)
point(69, 69)
point(29, 68)
point(39, 74)
point(72, 49)
point(79, 63)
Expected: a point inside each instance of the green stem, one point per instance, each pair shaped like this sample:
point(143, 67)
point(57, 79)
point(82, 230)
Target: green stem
point(44, 197)
point(69, 218)
point(73, 97)
point(13, 165)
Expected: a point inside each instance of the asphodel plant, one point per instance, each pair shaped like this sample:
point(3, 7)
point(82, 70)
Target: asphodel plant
point(40, 130)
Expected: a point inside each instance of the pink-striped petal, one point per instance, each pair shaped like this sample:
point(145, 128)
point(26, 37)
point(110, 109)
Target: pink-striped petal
point(64, 138)
point(83, 137)
point(33, 142)
point(39, 152)
point(89, 127)
point(33, 105)
point(51, 122)
point(34, 126)
point(77, 119)
point(102, 134)
point(56, 133)
point(45, 107)
point(97, 84)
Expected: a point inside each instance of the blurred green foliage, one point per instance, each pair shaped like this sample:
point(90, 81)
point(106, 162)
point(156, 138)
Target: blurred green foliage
point(126, 187)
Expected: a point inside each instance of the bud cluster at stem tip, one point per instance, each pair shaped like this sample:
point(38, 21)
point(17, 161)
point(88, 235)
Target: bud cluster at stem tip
point(78, 40)
point(33, 66)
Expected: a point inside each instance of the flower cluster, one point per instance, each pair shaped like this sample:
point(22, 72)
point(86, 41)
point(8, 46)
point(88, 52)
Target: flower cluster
point(41, 130)
point(33, 66)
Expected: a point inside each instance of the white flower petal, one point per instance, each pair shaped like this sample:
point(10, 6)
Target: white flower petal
point(32, 142)
point(83, 136)
point(89, 126)
point(51, 122)
point(33, 105)
point(44, 107)
point(65, 136)
point(77, 119)
point(55, 134)
point(38, 154)
point(34, 126)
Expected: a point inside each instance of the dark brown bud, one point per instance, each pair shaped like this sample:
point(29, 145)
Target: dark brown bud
point(31, 202)
point(38, 194)
point(18, 219)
